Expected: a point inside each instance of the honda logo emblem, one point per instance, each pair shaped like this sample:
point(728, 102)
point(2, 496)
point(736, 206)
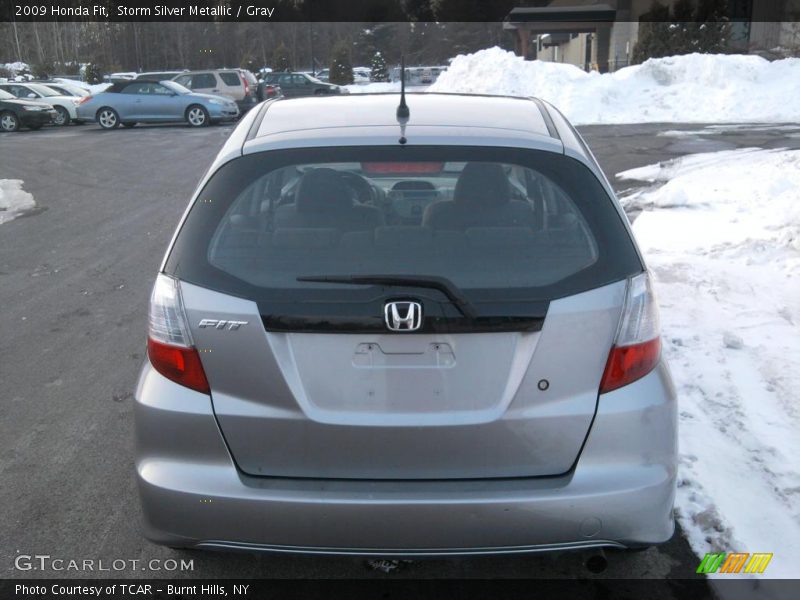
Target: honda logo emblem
point(403, 316)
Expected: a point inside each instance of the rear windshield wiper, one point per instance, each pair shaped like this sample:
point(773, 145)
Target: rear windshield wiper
point(444, 285)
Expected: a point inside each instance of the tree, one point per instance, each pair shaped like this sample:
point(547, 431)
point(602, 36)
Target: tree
point(92, 73)
point(42, 70)
point(417, 10)
point(469, 10)
point(682, 30)
point(378, 71)
point(713, 26)
point(66, 68)
point(653, 34)
point(341, 67)
point(156, 46)
point(280, 58)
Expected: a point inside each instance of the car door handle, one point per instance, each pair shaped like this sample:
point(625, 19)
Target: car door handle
point(214, 90)
point(137, 101)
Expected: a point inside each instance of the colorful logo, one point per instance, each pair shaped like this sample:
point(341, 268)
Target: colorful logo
point(734, 562)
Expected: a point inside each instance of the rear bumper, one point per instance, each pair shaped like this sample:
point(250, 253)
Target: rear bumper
point(28, 118)
point(246, 103)
point(223, 113)
point(620, 493)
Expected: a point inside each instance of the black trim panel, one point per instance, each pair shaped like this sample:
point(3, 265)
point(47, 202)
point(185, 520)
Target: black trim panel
point(548, 120)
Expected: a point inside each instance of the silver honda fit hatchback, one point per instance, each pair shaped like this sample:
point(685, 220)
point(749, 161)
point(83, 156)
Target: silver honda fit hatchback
point(393, 334)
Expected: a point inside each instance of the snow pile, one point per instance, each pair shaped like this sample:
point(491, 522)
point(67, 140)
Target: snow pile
point(18, 71)
point(376, 87)
point(13, 199)
point(16, 67)
point(696, 88)
point(92, 89)
point(721, 232)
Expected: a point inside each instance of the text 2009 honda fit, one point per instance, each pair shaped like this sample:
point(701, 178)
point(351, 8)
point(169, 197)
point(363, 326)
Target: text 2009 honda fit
point(441, 344)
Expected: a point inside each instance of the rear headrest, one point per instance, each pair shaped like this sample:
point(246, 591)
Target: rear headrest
point(322, 190)
point(483, 184)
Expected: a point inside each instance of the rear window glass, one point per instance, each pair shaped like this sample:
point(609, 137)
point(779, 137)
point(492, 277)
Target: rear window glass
point(201, 81)
point(497, 222)
point(161, 76)
point(231, 79)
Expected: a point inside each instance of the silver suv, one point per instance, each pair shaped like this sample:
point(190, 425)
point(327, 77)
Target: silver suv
point(397, 336)
point(239, 85)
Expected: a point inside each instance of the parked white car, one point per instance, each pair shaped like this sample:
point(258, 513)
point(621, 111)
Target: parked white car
point(361, 75)
point(66, 106)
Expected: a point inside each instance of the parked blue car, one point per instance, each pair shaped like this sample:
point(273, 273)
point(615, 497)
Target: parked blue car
point(141, 101)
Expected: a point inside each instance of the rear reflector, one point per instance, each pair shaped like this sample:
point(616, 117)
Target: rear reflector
point(179, 364)
point(626, 364)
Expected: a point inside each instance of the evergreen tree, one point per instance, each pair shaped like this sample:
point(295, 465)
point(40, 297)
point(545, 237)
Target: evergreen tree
point(683, 28)
point(378, 71)
point(341, 68)
point(417, 10)
point(713, 26)
point(280, 58)
point(653, 34)
point(469, 10)
point(42, 70)
point(65, 68)
point(93, 73)
point(365, 44)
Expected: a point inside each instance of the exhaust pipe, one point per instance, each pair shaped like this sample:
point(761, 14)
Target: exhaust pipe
point(596, 561)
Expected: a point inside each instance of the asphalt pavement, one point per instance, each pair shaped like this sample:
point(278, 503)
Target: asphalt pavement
point(75, 275)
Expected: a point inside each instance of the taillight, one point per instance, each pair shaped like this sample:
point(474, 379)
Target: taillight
point(637, 346)
point(169, 343)
point(84, 99)
point(245, 84)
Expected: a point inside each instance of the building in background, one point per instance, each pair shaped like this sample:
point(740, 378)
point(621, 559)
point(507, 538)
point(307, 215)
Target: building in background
point(601, 35)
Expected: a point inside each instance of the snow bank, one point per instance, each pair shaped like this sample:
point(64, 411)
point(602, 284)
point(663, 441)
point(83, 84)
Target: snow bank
point(375, 87)
point(13, 199)
point(15, 67)
point(16, 70)
point(721, 232)
point(696, 88)
point(92, 89)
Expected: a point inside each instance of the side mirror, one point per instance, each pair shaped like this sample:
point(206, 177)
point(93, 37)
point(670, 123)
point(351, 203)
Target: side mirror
point(32, 95)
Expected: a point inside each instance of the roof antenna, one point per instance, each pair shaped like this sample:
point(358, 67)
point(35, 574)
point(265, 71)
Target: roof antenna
point(402, 110)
